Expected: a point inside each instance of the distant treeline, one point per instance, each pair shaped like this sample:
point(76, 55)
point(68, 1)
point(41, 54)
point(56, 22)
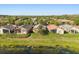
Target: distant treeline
point(21, 20)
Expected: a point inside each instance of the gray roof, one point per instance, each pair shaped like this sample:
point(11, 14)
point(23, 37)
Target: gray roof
point(11, 27)
point(66, 27)
point(27, 27)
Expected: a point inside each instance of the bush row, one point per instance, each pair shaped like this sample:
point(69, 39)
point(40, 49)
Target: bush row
point(14, 35)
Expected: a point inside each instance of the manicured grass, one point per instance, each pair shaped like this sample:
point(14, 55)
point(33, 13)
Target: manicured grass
point(70, 41)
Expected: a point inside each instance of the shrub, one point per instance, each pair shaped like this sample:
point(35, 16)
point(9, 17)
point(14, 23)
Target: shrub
point(15, 35)
point(43, 32)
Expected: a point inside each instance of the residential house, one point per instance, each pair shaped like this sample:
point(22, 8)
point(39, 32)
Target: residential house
point(24, 29)
point(11, 28)
point(52, 28)
point(60, 30)
point(55, 29)
point(75, 29)
point(66, 27)
point(37, 27)
point(4, 30)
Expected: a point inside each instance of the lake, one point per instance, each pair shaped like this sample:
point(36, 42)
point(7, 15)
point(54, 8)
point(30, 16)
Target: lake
point(36, 50)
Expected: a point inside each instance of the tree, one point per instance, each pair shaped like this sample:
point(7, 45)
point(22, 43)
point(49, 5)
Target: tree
point(54, 22)
point(19, 22)
point(76, 21)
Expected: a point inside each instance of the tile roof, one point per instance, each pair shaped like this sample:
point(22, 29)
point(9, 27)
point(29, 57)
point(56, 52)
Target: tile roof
point(51, 27)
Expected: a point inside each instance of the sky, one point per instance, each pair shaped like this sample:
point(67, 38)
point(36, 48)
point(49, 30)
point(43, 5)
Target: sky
point(38, 9)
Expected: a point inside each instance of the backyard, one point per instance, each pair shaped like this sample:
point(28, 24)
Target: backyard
point(36, 43)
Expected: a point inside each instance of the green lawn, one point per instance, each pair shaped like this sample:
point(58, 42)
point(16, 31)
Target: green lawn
point(69, 41)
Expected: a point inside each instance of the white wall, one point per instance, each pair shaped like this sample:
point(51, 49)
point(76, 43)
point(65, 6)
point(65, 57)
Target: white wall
point(60, 31)
point(1, 31)
point(23, 31)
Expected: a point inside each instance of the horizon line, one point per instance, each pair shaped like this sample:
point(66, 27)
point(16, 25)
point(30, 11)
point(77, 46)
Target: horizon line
point(36, 15)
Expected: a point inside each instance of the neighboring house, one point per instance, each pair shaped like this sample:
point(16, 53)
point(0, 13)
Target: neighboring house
point(55, 29)
point(60, 31)
point(11, 28)
point(37, 27)
point(66, 27)
point(4, 30)
point(25, 29)
point(75, 29)
point(52, 28)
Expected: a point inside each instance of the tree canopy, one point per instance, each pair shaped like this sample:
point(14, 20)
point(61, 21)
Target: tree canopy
point(20, 20)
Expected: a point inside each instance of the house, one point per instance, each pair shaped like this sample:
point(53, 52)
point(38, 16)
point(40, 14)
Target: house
point(66, 27)
point(75, 29)
point(52, 28)
point(60, 30)
point(24, 29)
point(37, 27)
point(4, 30)
point(55, 29)
point(10, 27)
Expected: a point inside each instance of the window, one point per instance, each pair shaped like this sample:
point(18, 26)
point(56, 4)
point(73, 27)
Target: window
point(5, 31)
point(72, 31)
point(54, 31)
